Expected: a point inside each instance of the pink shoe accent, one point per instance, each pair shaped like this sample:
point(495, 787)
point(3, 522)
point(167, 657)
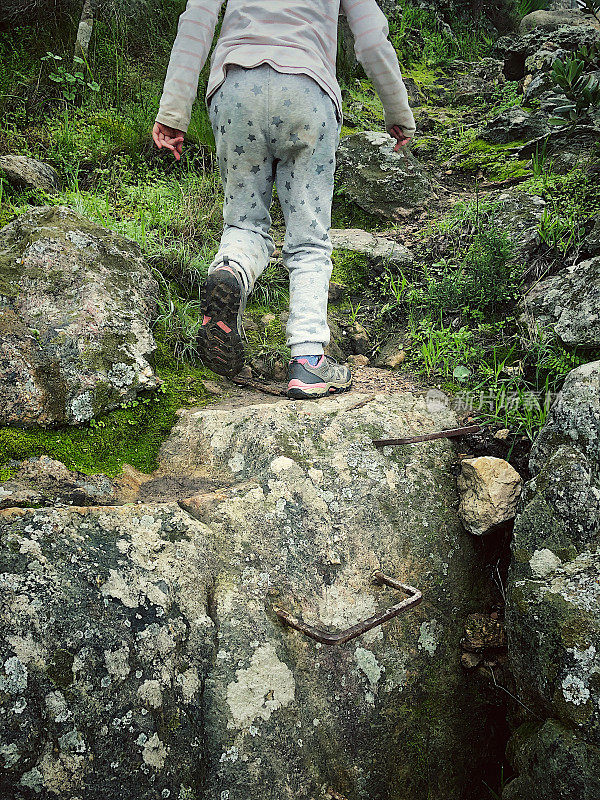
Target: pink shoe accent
point(223, 326)
point(206, 320)
point(297, 384)
point(304, 360)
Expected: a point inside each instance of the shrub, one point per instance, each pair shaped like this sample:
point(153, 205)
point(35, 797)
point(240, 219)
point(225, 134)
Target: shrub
point(581, 91)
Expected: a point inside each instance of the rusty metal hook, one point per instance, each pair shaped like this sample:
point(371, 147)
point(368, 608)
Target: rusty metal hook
point(324, 637)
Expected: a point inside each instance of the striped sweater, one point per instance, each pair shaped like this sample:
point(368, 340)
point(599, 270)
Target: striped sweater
point(293, 36)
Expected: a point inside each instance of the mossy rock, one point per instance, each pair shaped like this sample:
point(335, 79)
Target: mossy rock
point(78, 304)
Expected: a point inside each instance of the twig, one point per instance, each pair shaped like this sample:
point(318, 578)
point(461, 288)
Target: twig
point(361, 403)
point(426, 437)
point(510, 694)
point(506, 182)
point(258, 387)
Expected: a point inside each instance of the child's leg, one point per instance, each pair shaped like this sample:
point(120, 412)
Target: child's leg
point(306, 144)
point(237, 112)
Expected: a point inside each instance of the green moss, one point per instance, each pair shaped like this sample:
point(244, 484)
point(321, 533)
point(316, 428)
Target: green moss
point(268, 342)
point(496, 161)
point(576, 631)
point(350, 269)
point(131, 434)
point(6, 473)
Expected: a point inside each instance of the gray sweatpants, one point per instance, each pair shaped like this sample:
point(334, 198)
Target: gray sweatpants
point(273, 127)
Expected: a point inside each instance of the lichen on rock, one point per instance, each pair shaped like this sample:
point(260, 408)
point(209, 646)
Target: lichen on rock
point(75, 306)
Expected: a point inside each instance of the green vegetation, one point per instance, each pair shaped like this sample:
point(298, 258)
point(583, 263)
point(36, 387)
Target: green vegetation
point(581, 91)
point(419, 38)
point(528, 6)
point(458, 313)
point(591, 7)
point(91, 120)
point(130, 435)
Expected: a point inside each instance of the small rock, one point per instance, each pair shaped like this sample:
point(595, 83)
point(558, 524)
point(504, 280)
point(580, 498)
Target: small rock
point(470, 660)
point(369, 244)
point(336, 292)
point(514, 124)
point(489, 489)
point(567, 146)
point(476, 81)
point(379, 180)
point(279, 371)
point(502, 434)
point(358, 338)
point(483, 632)
point(45, 480)
point(334, 349)
point(212, 388)
point(591, 243)
point(392, 355)
point(30, 173)
point(357, 361)
point(267, 319)
point(245, 372)
point(521, 214)
point(259, 366)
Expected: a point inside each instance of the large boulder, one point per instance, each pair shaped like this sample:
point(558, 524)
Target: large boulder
point(22, 171)
point(379, 180)
point(75, 307)
point(552, 20)
point(569, 147)
point(569, 302)
point(516, 51)
point(553, 601)
point(520, 214)
point(378, 249)
point(141, 657)
point(514, 125)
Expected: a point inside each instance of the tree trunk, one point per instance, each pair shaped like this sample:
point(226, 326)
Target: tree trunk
point(86, 26)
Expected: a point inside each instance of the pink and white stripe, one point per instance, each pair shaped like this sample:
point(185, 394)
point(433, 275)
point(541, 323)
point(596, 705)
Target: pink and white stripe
point(295, 36)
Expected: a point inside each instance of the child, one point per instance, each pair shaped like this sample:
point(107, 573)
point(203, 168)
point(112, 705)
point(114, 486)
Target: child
point(276, 111)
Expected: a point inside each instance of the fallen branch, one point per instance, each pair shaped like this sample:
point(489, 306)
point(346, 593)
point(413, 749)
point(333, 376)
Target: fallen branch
point(426, 437)
point(258, 387)
point(506, 182)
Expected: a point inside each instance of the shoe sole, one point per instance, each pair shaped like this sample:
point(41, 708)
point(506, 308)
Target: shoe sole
point(307, 391)
point(219, 339)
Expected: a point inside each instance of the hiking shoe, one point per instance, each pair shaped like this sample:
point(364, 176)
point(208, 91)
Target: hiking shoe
point(308, 382)
point(220, 336)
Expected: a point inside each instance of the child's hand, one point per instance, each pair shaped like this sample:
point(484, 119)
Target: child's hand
point(401, 139)
point(171, 138)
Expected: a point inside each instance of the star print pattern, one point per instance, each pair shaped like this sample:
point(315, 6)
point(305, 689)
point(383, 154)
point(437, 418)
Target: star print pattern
point(292, 149)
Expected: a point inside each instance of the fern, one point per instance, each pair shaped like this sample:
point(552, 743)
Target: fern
point(528, 6)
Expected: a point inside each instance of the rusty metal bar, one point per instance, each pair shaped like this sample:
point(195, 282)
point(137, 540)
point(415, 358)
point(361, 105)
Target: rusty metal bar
point(324, 637)
point(427, 437)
